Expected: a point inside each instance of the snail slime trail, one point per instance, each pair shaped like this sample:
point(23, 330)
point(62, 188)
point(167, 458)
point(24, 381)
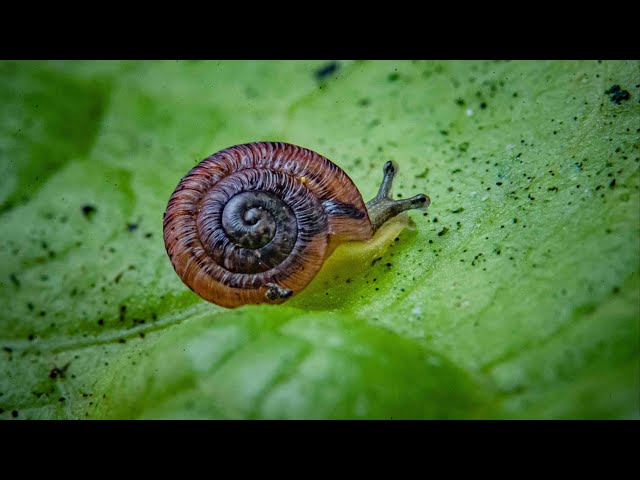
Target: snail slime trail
point(255, 222)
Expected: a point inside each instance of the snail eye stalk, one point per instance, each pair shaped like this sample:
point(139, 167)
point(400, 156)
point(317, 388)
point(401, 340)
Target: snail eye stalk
point(383, 207)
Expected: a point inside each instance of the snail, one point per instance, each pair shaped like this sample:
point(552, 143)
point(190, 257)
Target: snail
point(253, 223)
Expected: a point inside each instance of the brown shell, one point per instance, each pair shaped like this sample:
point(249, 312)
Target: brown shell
point(330, 206)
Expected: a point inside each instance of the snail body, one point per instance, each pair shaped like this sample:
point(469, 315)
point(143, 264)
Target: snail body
point(253, 223)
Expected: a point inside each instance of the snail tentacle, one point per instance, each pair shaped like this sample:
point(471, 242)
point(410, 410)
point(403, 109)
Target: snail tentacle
point(383, 207)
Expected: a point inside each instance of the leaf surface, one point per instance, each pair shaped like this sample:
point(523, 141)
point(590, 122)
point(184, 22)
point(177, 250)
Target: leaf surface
point(516, 295)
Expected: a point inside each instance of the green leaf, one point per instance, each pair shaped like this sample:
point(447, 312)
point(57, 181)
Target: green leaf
point(515, 296)
point(257, 364)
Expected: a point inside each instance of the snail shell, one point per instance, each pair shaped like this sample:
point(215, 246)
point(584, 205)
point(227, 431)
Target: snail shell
point(254, 223)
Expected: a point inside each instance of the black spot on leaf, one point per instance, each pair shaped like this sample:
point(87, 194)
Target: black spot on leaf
point(616, 94)
point(88, 211)
point(323, 72)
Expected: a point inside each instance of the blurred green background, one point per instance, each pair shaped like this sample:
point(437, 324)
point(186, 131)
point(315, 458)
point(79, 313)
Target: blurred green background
point(515, 296)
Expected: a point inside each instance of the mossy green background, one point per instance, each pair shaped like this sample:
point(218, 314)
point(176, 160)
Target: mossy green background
point(515, 296)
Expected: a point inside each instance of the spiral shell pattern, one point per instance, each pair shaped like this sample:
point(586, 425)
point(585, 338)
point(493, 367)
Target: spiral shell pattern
point(258, 216)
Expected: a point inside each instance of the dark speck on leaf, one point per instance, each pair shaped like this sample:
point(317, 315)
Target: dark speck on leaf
point(14, 279)
point(323, 72)
point(443, 231)
point(132, 227)
point(88, 210)
point(483, 105)
point(458, 210)
point(616, 94)
point(613, 183)
point(423, 174)
point(58, 372)
point(393, 77)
